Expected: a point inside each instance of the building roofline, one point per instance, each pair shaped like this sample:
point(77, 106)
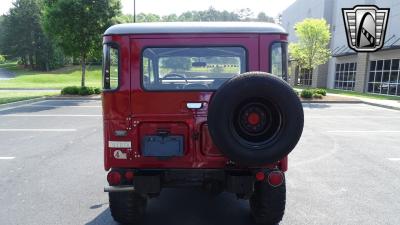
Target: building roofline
point(344, 54)
point(385, 48)
point(195, 27)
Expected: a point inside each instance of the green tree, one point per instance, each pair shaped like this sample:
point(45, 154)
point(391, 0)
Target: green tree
point(149, 17)
point(210, 14)
point(245, 14)
point(77, 25)
point(2, 59)
point(262, 17)
point(21, 35)
point(126, 18)
point(170, 18)
point(177, 63)
point(311, 50)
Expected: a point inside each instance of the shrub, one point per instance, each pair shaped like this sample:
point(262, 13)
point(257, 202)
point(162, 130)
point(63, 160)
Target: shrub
point(320, 91)
point(97, 91)
point(306, 93)
point(317, 95)
point(297, 92)
point(71, 90)
point(75, 90)
point(2, 59)
point(86, 91)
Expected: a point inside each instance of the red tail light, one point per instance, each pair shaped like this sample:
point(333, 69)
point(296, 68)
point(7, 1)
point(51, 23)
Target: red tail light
point(114, 178)
point(129, 176)
point(260, 176)
point(275, 178)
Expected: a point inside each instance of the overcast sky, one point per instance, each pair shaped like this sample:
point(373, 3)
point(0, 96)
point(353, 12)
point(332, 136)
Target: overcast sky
point(164, 7)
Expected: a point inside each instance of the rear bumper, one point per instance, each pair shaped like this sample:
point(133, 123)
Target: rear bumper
point(153, 181)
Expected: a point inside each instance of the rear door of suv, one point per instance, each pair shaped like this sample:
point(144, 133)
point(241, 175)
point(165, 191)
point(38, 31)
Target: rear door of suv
point(169, 115)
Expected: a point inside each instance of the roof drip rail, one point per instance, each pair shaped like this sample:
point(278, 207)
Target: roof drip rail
point(195, 27)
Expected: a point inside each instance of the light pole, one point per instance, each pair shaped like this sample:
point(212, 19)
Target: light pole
point(134, 11)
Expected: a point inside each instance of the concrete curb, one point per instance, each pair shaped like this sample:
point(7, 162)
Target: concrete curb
point(333, 102)
point(369, 102)
point(352, 102)
point(30, 89)
point(22, 102)
point(96, 98)
point(381, 105)
point(33, 100)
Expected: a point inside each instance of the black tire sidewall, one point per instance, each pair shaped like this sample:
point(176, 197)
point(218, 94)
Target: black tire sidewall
point(268, 203)
point(247, 86)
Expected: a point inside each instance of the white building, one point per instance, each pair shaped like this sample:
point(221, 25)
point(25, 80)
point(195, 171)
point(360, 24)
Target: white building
point(376, 72)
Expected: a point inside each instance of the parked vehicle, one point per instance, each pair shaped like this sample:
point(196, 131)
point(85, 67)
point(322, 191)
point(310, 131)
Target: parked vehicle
point(198, 104)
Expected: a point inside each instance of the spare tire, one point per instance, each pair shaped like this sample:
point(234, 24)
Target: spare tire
point(255, 118)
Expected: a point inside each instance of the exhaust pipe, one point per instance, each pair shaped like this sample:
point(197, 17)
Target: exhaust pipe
point(118, 188)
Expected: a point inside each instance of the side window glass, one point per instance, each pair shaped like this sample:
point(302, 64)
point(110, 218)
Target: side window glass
point(110, 67)
point(279, 59)
point(148, 73)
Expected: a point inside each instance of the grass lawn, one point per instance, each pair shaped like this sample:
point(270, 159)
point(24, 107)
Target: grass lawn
point(57, 79)
point(13, 96)
point(355, 94)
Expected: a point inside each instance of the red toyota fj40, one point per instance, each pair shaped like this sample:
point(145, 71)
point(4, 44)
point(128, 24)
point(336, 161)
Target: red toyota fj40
point(185, 104)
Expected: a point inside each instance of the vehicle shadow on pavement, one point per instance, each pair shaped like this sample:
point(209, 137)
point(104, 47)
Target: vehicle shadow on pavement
point(182, 206)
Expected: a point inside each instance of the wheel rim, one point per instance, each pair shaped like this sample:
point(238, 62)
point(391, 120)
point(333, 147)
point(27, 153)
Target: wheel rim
point(256, 122)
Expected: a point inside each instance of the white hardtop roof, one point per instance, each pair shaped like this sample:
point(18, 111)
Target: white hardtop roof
point(194, 27)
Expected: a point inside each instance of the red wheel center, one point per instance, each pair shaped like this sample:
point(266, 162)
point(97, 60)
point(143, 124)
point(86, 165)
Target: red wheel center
point(253, 118)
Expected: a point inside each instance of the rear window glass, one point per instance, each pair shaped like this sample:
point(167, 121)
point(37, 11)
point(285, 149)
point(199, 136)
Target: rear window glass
point(191, 68)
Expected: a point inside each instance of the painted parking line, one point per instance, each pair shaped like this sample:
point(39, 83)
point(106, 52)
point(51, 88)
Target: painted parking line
point(46, 101)
point(50, 115)
point(363, 131)
point(72, 100)
point(37, 130)
point(6, 157)
point(15, 107)
point(393, 159)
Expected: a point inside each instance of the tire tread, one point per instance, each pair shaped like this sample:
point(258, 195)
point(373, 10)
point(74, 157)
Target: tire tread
point(127, 207)
point(268, 203)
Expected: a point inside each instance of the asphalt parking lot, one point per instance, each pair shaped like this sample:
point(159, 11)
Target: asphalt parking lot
point(345, 170)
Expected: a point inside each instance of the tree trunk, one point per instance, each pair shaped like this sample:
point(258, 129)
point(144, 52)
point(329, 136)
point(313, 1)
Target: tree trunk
point(83, 70)
point(25, 61)
point(31, 61)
